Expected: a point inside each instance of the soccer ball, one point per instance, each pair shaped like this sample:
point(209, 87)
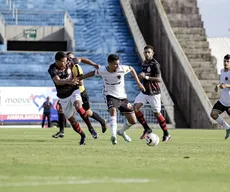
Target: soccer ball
point(152, 139)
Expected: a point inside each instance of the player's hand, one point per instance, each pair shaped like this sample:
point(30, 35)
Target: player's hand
point(141, 87)
point(96, 66)
point(222, 86)
point(142, 75)
point(75, 81)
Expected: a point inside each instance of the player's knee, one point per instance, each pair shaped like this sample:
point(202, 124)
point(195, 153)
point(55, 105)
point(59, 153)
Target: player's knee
point(89, 112)
point(72, 120)
point(77, 105)
point(214, 114)
point(135, 108)
point(157, 114)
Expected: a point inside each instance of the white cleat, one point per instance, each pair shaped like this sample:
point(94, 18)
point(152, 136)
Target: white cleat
point(124, 135)
point(114, 140)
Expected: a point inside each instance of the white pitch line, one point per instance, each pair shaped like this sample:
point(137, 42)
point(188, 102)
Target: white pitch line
point(74, 182)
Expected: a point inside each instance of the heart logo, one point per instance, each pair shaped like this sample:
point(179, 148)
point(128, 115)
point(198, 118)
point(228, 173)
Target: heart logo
point(39, 100)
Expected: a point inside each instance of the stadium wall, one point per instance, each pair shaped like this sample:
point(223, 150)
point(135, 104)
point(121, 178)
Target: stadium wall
point(2, 30)
point(181, 81)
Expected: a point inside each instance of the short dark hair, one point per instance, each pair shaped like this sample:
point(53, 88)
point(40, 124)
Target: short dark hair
point(149, 47)
point(69, 53)
point(113, 57)
point(227, 57)
point(60, 55)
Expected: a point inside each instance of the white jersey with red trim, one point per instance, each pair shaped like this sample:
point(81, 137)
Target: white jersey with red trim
point(114, 83)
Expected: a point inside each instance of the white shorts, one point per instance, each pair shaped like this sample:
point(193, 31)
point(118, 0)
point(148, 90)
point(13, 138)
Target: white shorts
point(68, 103)
point(153, 100)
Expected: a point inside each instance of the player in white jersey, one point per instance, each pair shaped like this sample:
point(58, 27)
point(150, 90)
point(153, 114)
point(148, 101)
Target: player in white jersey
point(223, 104)
point(116, 98)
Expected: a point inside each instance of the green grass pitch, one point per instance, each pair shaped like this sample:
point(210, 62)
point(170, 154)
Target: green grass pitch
point(193, 161)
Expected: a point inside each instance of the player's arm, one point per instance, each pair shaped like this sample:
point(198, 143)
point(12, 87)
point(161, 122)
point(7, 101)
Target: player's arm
point(134, 74)
point(87, 75)
point(59, 81)
point(149, 78)
point(88, 61)
point(222, 86)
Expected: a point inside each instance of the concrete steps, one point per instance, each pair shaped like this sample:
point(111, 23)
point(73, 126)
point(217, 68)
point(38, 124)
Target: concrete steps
point(194, 30)
point(194, 44)
point(192, 37)
point(188, 28)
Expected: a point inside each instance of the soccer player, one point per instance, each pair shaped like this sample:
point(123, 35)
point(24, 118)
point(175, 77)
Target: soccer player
point(77, 71)
point(46, 111)
point(116, 98)
point(151, 77)
point(223, 104)
point(68, 92)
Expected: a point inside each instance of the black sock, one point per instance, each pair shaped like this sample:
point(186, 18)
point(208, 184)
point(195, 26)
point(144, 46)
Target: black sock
point(98, 118)
point(61, 119)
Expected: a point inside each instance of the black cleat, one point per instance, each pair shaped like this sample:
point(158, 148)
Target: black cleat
point(166, 138)
point(104, 127)
point(145, 133)
point(93, 133)
point(83, 140)
point(58, 135)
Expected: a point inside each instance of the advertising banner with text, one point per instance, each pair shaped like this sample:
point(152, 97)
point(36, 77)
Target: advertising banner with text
point(24, 104)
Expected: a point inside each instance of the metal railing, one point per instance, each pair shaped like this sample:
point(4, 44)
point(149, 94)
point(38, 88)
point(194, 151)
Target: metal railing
point(102, 110)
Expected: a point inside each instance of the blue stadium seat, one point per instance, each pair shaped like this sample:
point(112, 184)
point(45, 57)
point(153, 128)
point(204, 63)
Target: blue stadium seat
point(100, 29)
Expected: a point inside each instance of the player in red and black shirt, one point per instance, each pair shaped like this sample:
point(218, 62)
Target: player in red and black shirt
point(151, 77)
point(68, 92)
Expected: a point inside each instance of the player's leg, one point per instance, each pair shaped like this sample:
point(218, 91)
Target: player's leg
point(90, 113)
point(61, 122)
point(48, 119)
point(138, 103)
point(43, 119)
point(77, 128)
point(217, 109)
point(77, 103)
point(113, 104)
point(127, 110)
point(68, 110)
point(155, 102)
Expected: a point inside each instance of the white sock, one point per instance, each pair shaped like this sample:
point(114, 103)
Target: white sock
point(113, 125)
point(125, 126)
point(222, 122)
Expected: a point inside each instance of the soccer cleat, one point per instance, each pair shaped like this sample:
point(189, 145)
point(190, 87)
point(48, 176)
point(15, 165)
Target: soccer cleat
point(166, 138)
point(93, 133)
point(227, 133)
point(83, 140)
point(104, 127)
point(58, 134)
point(145, 133)
point(114, 140)
point(124, 135)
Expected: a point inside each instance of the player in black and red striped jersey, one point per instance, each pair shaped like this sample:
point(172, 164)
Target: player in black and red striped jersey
point(68, 92)
point(151, 77)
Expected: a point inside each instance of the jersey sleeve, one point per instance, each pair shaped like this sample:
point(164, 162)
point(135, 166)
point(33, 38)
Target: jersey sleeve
point(156, 71)
point(52, 72)
point(126, 68)
point(98, 72)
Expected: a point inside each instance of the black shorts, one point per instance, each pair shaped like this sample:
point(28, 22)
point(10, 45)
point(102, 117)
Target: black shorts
point(85, 100)
point(122, 105)
point(218, 106)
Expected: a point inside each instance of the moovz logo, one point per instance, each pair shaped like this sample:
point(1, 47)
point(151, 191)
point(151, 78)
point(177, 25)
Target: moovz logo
point(38, 100)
